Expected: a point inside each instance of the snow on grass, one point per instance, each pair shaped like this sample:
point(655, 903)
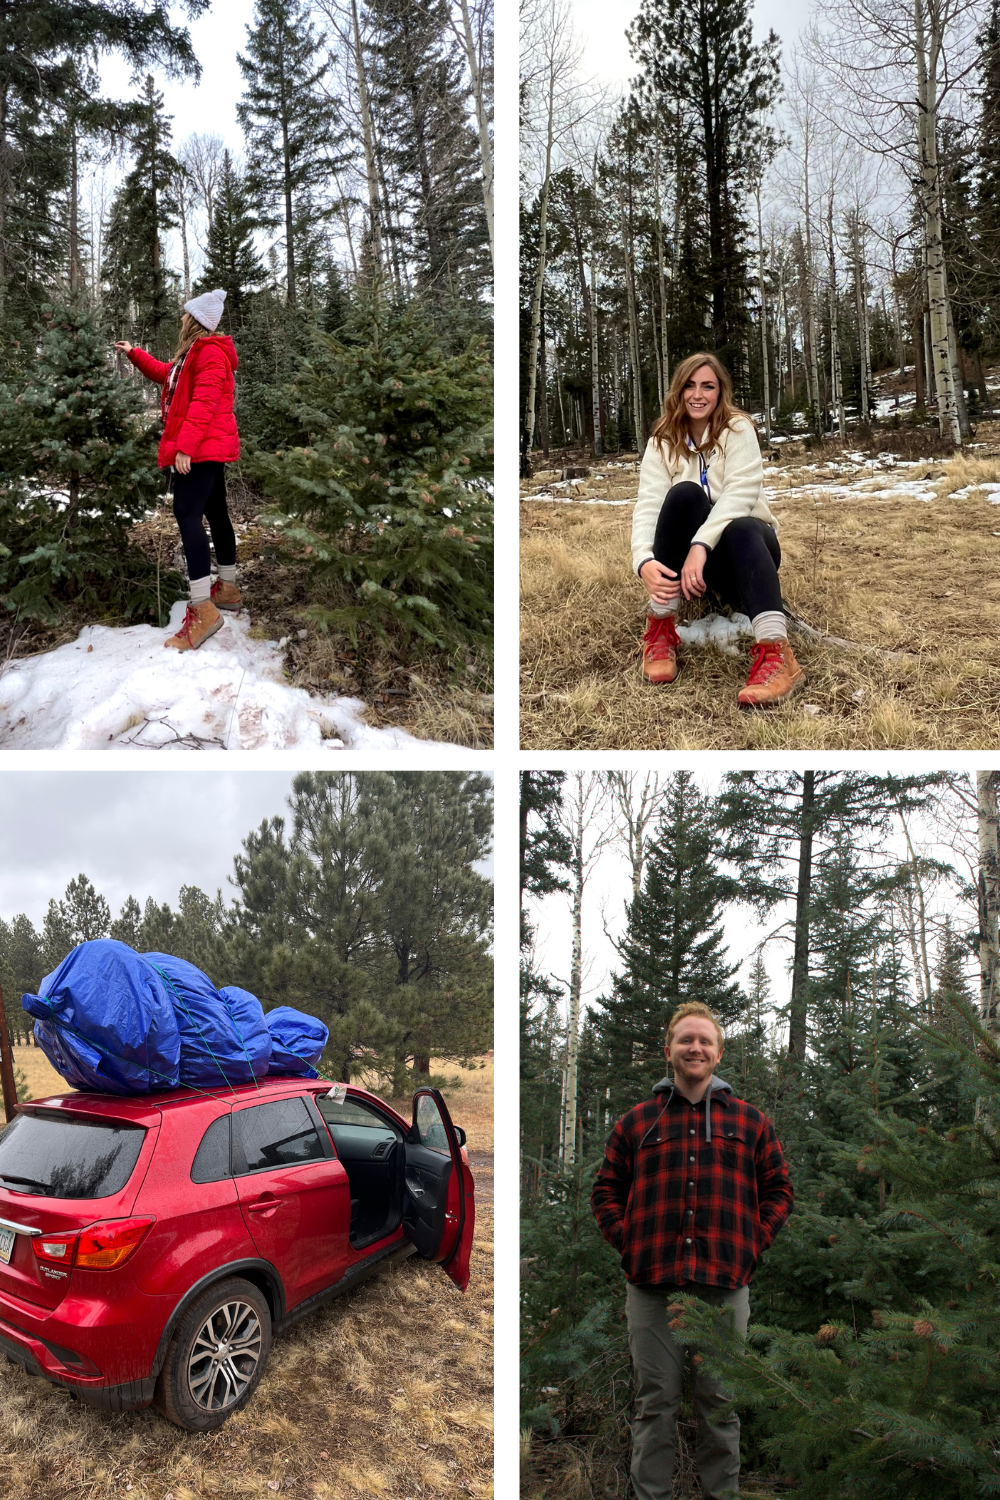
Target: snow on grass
point(716, 630)
point(992, 492)
point(115, 688)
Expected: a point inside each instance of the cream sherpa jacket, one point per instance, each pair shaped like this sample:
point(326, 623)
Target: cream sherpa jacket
point(735, 478)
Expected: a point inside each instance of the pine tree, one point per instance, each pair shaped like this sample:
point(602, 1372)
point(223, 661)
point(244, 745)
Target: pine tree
point(126, 927)
point(80, 917)
point(896, 1392)
point(673, 949)
point(382, 478)
point(21, 969)
point(231, 261)
point(138, 284)
point(293, 133)
point(700, 60)
point(77, 470)
point(430, 149)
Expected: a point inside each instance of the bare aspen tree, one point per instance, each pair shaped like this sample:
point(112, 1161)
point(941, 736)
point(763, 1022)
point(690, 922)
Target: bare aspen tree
point(556, 102)
point(635, 799)
point(346, 23)
point(765, 361)
point(471, 26)
point(182, 193)
point(201, 157)
point(582, 820)
point(898, 61)
point(836, 378)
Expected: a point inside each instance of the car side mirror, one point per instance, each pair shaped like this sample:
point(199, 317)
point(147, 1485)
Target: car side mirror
point(460, 1133)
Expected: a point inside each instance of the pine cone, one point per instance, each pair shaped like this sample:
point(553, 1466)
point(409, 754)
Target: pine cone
point(834, 1239)
point(876, 1318)
point(923, 1329)
point(827, 1333)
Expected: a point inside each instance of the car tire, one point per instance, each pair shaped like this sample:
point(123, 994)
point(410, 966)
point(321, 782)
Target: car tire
point(199, 1386)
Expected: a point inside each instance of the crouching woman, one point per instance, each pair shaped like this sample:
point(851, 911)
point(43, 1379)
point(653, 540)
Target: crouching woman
point(199, 439)
point(701, 523)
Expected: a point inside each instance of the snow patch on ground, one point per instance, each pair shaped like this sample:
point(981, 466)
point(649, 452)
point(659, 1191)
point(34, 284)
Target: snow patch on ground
point(575, 500)
point(115, 688)
point(716, 630)
point(992, 492)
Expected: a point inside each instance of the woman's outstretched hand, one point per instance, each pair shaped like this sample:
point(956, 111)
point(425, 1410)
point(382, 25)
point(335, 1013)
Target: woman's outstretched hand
point(123, 346)
point(693, 572)
point(661, 582)
point(182, 463)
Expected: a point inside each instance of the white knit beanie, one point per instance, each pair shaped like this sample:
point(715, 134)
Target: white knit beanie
point(207, 308)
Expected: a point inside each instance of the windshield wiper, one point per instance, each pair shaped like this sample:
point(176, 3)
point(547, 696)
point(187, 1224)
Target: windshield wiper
point(28, 1181)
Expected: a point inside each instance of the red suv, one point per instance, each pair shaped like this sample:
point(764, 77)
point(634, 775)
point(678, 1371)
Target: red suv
point(150, 1247)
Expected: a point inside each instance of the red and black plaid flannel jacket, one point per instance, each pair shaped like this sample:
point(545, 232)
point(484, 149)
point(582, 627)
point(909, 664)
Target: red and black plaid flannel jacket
point(684, 1204)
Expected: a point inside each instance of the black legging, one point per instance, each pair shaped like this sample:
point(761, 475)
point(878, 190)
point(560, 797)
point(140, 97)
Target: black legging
point(202, 492)
point(742, 567)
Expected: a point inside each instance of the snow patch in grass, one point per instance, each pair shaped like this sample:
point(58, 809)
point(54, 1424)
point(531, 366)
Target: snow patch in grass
point(118, 687)
point(716, 630)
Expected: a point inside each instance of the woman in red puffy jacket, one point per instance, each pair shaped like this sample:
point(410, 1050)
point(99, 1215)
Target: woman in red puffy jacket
point(199, 438)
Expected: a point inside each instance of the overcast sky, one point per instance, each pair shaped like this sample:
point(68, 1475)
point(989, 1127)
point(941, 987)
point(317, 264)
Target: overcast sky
point(207, 108)
point(610, 888)
point(132, 833)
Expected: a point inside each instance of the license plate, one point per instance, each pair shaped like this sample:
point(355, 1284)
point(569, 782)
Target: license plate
point(7, 1238)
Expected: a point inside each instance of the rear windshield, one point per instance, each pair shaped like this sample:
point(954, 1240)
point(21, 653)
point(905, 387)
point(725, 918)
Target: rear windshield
point(55, 1156)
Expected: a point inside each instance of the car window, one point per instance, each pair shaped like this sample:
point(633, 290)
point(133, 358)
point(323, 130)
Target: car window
point(211, 1162)
point(430, 1126)
point(278, 1135)
point(353, 1112)
point(59, 1156)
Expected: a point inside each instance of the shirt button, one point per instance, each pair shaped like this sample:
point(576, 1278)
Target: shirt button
point(690, 1158)
point(687, 1242)
point(690, 1210)
point(690, 1184)
point(691, 1132)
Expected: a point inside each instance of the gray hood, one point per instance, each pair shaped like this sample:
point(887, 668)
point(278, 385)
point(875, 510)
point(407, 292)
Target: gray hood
point(718, 1085)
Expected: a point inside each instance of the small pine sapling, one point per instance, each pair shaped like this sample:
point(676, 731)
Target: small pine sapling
point(383, 485)
point(77, 471)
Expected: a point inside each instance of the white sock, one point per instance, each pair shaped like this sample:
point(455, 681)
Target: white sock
point(201, 589)
point(769, 626)
point(227, 572)
point(660, 610)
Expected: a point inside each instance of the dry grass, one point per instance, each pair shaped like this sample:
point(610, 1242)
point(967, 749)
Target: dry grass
point(895, 574)
point(385, 1393)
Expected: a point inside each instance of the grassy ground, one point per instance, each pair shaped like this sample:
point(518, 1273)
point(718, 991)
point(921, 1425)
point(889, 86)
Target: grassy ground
point(419, 690)
point(384, 1394)
point(913, 581)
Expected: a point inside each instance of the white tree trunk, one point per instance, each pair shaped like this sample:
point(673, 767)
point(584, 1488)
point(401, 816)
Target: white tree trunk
point(482, 115)
point(927, 41)
point(595, 359)
point(766, 373)
point(836, 374)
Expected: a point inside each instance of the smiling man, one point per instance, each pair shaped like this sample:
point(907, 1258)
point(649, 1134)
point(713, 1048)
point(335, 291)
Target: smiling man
point(693, 1188)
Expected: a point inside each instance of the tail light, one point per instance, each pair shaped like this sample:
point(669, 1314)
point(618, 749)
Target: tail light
point(101, 1247)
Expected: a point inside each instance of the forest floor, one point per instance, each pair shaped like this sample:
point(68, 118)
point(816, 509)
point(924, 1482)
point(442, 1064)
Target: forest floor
point(384, 1394)
point(268, 680)
point(887, 545)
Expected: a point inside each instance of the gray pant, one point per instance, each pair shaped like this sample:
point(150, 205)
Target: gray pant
point(658, 1359)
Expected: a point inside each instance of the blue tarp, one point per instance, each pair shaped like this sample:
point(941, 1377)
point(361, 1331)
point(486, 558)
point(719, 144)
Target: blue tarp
point(213, 1051)
point(297, 1041)
point(248, 1017)
point(105, 1021)
point(122, 1022)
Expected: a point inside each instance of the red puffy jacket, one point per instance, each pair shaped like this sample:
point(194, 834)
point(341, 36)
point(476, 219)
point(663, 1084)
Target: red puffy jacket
point(200, 419)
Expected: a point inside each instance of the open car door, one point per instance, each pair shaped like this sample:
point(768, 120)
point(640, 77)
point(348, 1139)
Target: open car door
point(439, 1206)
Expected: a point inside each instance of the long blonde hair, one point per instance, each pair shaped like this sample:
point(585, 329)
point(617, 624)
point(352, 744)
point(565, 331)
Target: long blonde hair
point(191, 330)
point(673, 429)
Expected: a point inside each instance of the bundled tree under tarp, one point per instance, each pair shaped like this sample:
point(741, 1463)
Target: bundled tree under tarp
point(382, 482)
point(77, 471)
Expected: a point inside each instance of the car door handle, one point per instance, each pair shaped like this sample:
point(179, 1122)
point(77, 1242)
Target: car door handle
point(263, 1205)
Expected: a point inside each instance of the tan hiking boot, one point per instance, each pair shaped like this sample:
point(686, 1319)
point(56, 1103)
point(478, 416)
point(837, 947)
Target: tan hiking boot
point(774, 674)
point(660, 642)
point(225, 595)
point(200, 621)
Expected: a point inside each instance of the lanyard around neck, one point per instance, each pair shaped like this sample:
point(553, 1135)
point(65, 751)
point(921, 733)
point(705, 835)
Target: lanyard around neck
point(702, 468)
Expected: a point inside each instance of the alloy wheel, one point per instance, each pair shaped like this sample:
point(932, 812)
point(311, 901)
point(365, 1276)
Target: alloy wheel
point(224, 1355)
